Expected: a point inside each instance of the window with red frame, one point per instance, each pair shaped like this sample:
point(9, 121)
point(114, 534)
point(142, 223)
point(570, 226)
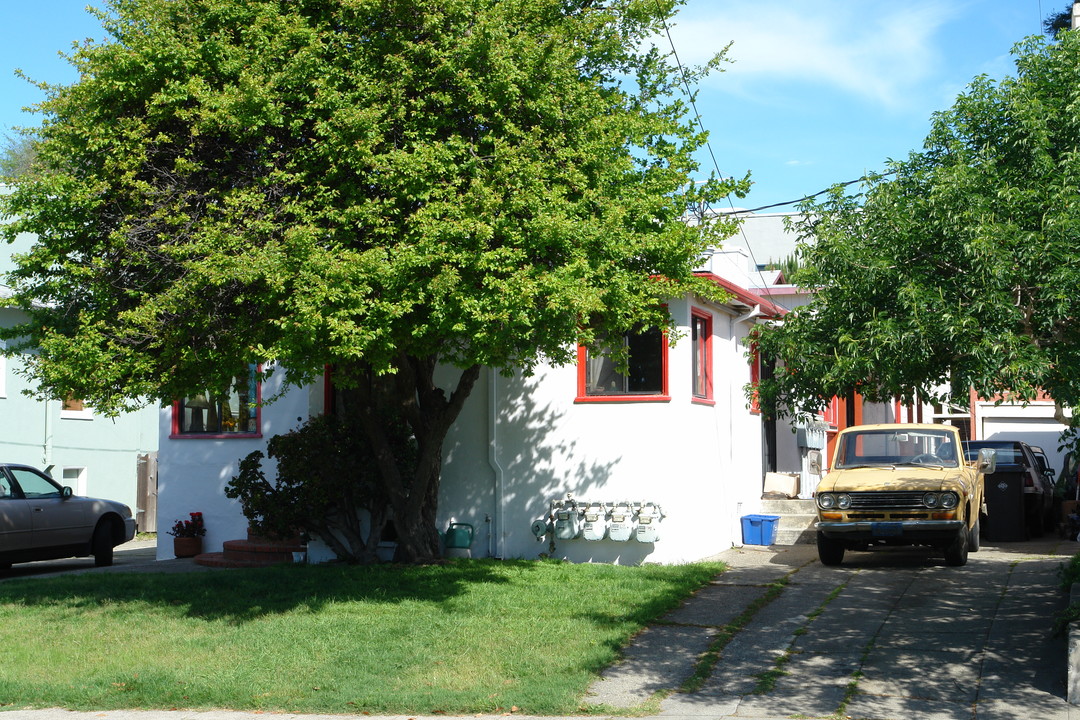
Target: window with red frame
point(701, 363)
point(645, 373)
point(755, 377)
point(235, 412)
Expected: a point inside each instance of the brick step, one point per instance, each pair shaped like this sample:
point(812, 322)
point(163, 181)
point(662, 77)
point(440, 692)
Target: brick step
point(218, 560)
point(257, 552)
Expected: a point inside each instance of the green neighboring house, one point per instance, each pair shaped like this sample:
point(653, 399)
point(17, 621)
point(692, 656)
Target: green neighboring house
point(95, 455)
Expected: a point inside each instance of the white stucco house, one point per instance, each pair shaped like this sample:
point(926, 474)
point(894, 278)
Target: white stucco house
point(674, 434)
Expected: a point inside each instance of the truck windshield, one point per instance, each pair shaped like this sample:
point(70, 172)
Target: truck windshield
point(873, 448)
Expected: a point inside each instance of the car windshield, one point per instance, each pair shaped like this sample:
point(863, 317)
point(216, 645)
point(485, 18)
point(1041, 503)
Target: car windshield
point(1007, 453)
point(874, 448)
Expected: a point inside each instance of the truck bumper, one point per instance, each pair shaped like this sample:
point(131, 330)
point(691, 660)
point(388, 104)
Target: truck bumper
point(901, 532)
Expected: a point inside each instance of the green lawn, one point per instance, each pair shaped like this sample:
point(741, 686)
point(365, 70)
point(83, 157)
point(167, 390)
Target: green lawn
point(469, 637)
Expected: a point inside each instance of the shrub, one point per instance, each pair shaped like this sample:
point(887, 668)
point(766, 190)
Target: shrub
point(1069, 573)
point(326, 484)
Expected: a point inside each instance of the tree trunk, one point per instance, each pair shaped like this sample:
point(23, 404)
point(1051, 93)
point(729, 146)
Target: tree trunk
point(413, 492)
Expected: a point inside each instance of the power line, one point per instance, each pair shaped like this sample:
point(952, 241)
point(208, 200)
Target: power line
point(811, 197)
point(708, 145)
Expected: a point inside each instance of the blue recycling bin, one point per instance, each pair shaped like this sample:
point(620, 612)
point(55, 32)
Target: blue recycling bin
point(759, 529)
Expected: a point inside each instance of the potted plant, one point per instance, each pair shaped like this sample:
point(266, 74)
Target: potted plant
point(188, 535)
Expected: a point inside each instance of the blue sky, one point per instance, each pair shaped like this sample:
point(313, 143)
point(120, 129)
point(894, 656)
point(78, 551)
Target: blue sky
point(816, 93)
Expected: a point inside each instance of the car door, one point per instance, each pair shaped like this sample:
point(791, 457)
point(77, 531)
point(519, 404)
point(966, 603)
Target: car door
point(15, 524)
point(1042, 487)
point(55, 520)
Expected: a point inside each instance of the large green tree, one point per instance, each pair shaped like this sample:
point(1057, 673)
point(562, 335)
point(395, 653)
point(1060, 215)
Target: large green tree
point(380, 186)
point(958, 267)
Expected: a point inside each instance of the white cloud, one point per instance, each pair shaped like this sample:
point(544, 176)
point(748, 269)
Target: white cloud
point(878, 52)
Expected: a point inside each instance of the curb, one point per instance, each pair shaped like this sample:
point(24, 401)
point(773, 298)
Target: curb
point(1073, 681)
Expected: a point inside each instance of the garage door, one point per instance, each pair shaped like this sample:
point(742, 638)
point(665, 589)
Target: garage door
point(1041, 432)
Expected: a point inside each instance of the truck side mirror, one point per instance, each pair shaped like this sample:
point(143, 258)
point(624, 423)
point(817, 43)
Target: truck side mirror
point(987, 460)
point(813, 461)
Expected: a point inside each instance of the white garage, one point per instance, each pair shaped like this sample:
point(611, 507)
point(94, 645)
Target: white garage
point(1034, 424)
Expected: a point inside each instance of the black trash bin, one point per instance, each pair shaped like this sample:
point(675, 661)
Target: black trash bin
point(1005, 518)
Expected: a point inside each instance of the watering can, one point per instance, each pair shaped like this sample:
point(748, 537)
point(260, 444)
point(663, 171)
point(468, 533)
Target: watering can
point(458, 540)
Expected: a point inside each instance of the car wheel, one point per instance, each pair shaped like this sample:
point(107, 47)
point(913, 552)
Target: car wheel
point(830, 552)
point(956, 552)
point(1035, 523)
point(101, 545)
point(973, 536)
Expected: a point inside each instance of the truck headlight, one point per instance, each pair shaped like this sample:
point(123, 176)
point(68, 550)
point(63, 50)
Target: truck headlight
point(826, 501)
point(930, 500)
point(949, 500)
point(843, 501)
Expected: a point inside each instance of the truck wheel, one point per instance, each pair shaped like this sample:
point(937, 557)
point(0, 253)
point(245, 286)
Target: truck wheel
point(973, 536)
point(830, 552)
point(956, 552)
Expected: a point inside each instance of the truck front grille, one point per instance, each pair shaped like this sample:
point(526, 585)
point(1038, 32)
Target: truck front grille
point(887, 500)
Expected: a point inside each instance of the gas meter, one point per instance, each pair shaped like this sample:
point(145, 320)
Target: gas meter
point(595, 521)
point(648, 527)
point(621, 525)
point(567, 520)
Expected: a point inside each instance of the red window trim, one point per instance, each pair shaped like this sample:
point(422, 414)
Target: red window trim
point(755, 378)
point(664, 396)
point(706, 361)
point(175, 433)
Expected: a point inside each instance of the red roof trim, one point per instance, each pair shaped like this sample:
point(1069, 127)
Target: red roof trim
point(744, 296)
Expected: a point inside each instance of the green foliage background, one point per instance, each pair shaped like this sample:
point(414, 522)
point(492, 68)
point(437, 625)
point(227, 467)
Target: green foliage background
point(352, 182)
point(958, 268)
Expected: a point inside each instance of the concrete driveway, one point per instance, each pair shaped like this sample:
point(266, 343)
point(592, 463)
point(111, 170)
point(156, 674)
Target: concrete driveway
point(134, 556)
point(890, 635)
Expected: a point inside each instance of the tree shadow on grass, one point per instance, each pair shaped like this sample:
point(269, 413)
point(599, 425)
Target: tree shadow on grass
point(240, 596)
point(245, 595)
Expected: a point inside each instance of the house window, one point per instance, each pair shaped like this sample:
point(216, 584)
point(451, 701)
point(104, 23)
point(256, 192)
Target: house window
point(645, 376)
point(75, 478)
point(235, 413)
point(701, 362)
point(74, 409)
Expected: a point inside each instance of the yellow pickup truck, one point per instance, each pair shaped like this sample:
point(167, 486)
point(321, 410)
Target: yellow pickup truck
point(901, 485)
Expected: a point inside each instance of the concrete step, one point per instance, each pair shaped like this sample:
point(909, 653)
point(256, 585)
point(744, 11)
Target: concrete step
point(797, 518)
point(797, 506)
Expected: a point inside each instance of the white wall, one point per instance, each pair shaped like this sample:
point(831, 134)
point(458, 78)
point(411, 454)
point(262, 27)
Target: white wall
point(522, 442)
point(700, 463)
point(193, 472)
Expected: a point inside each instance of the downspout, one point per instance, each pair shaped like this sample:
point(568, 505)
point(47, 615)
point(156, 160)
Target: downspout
point(493, 459)
point(47, 441)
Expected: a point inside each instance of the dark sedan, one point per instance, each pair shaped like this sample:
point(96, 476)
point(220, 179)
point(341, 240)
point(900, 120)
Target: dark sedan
point(1019, 497)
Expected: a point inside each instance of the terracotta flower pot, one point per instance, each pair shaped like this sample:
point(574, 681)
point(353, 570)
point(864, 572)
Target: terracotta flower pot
point(184, 547)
